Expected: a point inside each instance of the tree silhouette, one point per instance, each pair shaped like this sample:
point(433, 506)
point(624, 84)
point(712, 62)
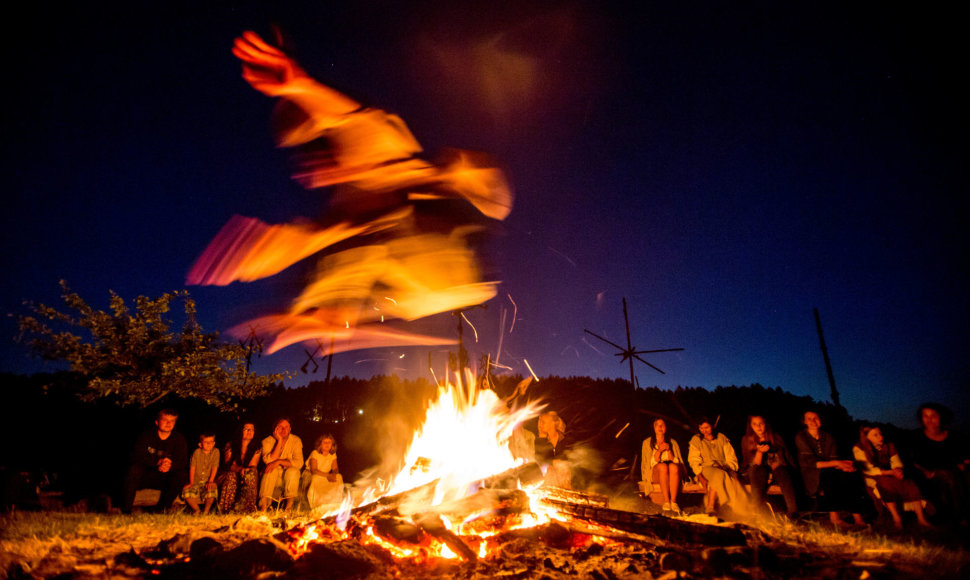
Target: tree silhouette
point(134, 357)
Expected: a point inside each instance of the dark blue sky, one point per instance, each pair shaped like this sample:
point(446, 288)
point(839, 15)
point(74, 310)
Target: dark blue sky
point(725, 169)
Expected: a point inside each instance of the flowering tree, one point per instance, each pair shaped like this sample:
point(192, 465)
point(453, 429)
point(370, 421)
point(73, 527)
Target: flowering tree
point(136, 358)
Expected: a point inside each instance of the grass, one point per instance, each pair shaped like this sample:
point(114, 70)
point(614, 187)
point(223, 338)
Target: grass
point(50, 543)
point(926, 554)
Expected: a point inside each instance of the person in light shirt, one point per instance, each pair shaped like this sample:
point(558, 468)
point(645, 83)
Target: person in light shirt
point(662, 463)
point(282, 454)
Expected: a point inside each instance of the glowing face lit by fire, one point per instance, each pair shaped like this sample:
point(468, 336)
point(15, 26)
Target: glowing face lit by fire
point(758, 426)
point(875, 437)
point(706, 430)
point(812, 421)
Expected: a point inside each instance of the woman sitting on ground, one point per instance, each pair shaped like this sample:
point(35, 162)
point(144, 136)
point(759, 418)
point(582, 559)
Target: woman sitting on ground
point(662, 463)
point(326, 484)
point(712, 457)
point(766, 458)
point(239, 481)
point(833, 482)
point(884, 473)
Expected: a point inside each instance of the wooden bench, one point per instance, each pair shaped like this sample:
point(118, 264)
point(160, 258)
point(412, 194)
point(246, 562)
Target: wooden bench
point(147, 497)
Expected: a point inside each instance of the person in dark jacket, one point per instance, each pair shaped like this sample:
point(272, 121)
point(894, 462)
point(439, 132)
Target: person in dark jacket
point(833, 482)
point(158, 461)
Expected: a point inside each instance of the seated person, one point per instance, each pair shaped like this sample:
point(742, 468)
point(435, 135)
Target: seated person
point(326, 485)
point(239, 481)
point(941, 458)
point(766, 458)
point(550, 450)
point(158, 461)
point(712, 457)
point(202, 474)
point(662, 463)
point(833, 482)
point(282, 452)
point(884, 473)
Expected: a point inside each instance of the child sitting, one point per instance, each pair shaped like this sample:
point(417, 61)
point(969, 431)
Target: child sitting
point(202, 474)
point(326, 484)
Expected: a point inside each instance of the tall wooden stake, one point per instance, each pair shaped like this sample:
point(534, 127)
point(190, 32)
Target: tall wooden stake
point(330, 358)
point(629, 345)
point(828, 363)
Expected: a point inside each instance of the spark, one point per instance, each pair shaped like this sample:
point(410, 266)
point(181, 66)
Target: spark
point(563, 256)
point(528, 366)
point(501, 336)
point(617, 436)
point(465, 318)
point(434, 376)
point(598, 351)
point(393, 301)
point(514, 312)
point(567, 347)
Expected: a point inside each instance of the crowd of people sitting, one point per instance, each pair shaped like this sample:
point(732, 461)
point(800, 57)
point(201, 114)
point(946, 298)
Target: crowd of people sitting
point(929, 471)
point(244, 475)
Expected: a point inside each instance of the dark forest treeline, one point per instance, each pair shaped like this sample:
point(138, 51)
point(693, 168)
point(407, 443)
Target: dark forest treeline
point(83, 446)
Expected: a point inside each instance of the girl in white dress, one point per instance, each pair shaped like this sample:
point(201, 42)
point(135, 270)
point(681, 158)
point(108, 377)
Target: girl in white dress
point(326, 484)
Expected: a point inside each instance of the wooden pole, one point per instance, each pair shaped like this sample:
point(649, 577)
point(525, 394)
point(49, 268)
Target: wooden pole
point(828, 363)
point(629, 346)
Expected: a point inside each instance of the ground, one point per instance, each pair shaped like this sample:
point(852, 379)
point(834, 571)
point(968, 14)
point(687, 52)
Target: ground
point(83, 545)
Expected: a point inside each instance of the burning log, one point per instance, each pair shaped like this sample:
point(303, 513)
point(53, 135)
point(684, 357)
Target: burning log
point(399, 530)
point(664, 528)
point(435, 526)
point(575, 497)
point(519, 476)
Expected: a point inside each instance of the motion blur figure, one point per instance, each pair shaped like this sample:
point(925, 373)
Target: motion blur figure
point(409, 257)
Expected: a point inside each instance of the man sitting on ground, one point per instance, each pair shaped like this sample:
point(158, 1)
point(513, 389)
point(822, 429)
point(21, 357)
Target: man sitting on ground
point(158, 461)
point(283, 455)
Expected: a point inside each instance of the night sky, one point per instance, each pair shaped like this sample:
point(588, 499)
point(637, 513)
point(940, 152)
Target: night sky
point(725, 169)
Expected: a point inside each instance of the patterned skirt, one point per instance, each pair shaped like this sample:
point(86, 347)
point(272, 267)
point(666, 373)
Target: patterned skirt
point(238, 491)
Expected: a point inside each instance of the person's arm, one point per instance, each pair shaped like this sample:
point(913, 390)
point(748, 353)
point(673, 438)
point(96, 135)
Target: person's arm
point(896, 464)
point(757, 454)
point(646, 462)
point(807, 458)
point(296, 453)
point(675, 451)
point(270, 71)
point(867, 467)
point(254, 462)
point(191, 473)
point(211, 483)
point(273, 451)
point(694, 455)
point(334, 471)
point(730, 457)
